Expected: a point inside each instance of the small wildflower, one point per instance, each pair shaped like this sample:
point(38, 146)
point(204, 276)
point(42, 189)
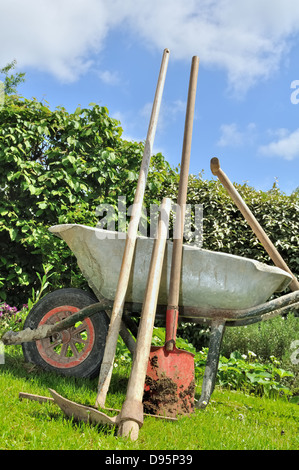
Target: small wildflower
point(251, 354)
point(274, 360)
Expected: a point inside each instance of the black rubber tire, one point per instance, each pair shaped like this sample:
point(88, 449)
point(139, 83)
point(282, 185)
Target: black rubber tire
point(89, 366)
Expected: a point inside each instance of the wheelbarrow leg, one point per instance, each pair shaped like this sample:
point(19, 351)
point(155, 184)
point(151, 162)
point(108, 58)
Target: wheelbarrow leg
point(209, 379)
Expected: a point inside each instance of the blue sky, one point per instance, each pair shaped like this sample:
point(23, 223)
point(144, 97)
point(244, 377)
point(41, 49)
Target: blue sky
point(75, 52)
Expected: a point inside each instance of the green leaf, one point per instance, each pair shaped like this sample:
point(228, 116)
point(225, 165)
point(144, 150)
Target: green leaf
point(132, 176)
point(13, 233)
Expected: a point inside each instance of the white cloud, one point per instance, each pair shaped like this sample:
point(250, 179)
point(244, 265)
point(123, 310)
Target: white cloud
point(286, 147)
point(110, 78)
point(173, 109)
point(247, 39)
point(53, 35)
point(231, 136)
point(128, 125)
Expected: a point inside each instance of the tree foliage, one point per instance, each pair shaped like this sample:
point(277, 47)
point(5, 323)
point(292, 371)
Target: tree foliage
point(13, 80)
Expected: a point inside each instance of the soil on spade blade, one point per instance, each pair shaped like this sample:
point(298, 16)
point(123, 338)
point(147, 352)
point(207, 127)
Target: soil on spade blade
point(164, 397)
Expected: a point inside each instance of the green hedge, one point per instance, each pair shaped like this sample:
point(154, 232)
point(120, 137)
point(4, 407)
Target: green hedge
point(225, 229)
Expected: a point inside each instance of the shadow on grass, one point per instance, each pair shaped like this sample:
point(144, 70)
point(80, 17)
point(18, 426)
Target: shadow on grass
point(15, 364)
point(80, 390)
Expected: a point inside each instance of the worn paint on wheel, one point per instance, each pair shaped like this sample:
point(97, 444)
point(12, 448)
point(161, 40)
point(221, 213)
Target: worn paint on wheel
point(67, 348)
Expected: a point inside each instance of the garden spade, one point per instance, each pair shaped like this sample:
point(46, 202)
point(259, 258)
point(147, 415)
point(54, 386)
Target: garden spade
point(169, 386)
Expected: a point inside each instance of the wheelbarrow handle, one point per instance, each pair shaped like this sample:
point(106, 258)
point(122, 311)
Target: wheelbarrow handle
point(255, 226)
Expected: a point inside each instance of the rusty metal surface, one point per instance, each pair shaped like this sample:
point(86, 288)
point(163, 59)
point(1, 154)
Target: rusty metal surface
point(84, 413)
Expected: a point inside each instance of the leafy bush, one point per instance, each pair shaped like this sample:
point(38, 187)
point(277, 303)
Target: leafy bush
point(247, 373)
point(266, 339)
point(272, 338)
point(225, 229)
point(56, 168)
point(193, 333)
point(11, 318)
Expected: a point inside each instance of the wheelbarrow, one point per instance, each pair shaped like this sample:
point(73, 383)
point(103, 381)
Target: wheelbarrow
point(66, 330)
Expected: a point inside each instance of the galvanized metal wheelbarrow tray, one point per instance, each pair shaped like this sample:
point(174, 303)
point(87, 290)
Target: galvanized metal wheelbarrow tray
point(217, 289)
point(209, 279)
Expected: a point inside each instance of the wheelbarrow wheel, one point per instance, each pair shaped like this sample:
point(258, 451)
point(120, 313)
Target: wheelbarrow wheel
point(77, 351)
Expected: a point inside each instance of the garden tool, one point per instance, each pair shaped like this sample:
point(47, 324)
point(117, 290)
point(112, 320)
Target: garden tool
point(119, 300)
point(249, 217)
point(131, 417)
point(169, 387)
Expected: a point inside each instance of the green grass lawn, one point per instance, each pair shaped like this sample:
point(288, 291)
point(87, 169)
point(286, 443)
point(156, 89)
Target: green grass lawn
point(232, 420)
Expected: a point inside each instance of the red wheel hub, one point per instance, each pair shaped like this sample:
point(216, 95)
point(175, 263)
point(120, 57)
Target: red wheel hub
point(70, 347)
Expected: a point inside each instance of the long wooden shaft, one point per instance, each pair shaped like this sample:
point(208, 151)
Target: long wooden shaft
point(255, 226)
point(176, 263)
point(183, 185)
point(132, 410)
point(111, 341)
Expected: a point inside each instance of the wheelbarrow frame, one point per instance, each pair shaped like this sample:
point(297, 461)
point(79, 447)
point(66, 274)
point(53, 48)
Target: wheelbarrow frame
point(216, 319)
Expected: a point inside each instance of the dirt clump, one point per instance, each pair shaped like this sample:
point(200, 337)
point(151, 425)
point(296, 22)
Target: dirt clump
point(162, 397)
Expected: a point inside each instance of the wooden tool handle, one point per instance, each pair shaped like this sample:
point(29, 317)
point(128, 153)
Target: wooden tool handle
point(182, 194)
point(255, 226)
point(132, 410)
point(176, 263)
point(125, 270)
